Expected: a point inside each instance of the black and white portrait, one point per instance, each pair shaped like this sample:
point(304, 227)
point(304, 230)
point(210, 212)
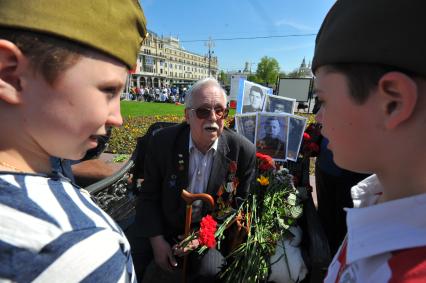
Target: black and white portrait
point(253, 96)
point(271, 137)
point(278, 104)
point(246, 125)
point(296, 128)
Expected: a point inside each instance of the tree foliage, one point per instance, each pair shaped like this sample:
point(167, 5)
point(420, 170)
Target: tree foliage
point(253, 78)
point(267, 71)
point(223, 78)
point(296, 73)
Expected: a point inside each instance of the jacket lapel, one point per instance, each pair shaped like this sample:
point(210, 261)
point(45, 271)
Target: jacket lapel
point(181, 158)
point(219, 167)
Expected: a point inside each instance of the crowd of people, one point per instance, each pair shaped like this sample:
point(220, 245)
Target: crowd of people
point(156, 94)
point(370, 78)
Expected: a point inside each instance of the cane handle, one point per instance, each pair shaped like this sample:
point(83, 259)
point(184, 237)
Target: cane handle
point(189, 198)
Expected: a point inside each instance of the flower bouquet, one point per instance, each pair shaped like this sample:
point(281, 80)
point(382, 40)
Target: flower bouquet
point(271, 212)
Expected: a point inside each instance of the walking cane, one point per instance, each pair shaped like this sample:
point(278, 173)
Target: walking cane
point(189, 198)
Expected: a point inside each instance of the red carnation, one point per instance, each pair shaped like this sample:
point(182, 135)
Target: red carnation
point(233, 167)
point(313, 147)
point(310, 128)
point(207, 231)
point(265, 162)
point(306, 137)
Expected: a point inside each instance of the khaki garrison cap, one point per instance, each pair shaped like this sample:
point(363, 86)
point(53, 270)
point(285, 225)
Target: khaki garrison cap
point(115, 27)
point(385, 32)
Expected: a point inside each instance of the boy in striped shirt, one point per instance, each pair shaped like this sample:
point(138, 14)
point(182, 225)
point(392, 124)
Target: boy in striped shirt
point(63, 65)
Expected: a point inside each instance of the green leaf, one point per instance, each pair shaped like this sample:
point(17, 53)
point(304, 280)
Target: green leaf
point(120, 158)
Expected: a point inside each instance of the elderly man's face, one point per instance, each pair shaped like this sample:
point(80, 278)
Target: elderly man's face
point(272, 128)
point(255, 99)
point(205, 131)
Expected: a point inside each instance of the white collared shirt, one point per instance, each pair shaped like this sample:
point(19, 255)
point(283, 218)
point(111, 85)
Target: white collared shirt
point(382, 238)
point(199, 172)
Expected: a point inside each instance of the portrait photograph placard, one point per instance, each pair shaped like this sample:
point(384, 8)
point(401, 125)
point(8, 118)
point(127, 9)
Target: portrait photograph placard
point(278, 104)
point(245, 125)
point(251, 97)
point(297, 125)
point(271, 134)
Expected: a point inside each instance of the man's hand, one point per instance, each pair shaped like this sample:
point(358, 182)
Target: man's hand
point(184, 247)
point(163, 255)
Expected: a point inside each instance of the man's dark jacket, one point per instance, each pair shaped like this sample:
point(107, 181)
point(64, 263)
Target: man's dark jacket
point(161, 210)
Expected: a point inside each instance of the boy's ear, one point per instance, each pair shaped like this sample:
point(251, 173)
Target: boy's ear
point(187, 115)
point(398, 93)
point(11, 66)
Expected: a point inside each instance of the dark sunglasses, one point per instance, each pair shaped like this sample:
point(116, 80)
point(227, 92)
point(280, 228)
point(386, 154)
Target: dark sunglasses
point(203, 113)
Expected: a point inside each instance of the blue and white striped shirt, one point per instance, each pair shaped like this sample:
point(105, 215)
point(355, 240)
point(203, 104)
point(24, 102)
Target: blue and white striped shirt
point(51, 232)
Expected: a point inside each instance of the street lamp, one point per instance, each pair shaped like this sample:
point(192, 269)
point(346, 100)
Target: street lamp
point(210, 45)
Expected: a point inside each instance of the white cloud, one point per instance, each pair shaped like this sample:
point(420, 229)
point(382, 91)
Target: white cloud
point(297, 26)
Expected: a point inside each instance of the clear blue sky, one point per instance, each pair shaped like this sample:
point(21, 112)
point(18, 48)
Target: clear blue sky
point(200, 19)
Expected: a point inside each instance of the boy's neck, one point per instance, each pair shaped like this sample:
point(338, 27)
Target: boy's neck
point(13, 161)
point(403, 183)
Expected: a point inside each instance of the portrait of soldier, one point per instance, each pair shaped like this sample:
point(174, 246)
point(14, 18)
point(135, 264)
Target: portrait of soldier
point(276, 104)
point(255, 98)
point(247, 127)
point(295, 134)
point(272, 142)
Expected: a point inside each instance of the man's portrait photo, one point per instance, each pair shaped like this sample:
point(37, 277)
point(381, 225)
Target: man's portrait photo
point(271, 138)
point(296, 128)
point(253, 96)
point(246, 125)
point(278, 104)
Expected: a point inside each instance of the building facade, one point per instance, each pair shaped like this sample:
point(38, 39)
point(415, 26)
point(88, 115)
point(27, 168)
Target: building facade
point(162, 62)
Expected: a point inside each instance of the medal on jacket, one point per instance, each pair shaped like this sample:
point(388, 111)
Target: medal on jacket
point(181, 166)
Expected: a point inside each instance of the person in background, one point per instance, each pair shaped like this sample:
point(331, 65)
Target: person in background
point(370, 77)
point(60, 104)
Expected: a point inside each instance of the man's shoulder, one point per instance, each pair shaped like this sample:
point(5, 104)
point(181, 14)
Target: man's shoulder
point(236, 139)
point(169, 131)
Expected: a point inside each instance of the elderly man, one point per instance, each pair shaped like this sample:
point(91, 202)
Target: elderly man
point(200, 156)
point(255, 98)
point(271, 143)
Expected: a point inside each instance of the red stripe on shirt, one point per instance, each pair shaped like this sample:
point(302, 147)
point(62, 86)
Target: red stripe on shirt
point(342, 259)
point(408, 266)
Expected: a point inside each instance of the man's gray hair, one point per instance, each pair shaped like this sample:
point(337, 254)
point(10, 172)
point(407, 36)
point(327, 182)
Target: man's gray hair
point(199, 85)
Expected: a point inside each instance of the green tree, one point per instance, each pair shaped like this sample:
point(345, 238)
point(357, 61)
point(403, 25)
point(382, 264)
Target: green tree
point(223, 78)
point(253, 78)
point(294, 74)
point(267, 70)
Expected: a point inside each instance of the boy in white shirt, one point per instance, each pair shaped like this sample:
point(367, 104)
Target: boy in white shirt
point(370, 73)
